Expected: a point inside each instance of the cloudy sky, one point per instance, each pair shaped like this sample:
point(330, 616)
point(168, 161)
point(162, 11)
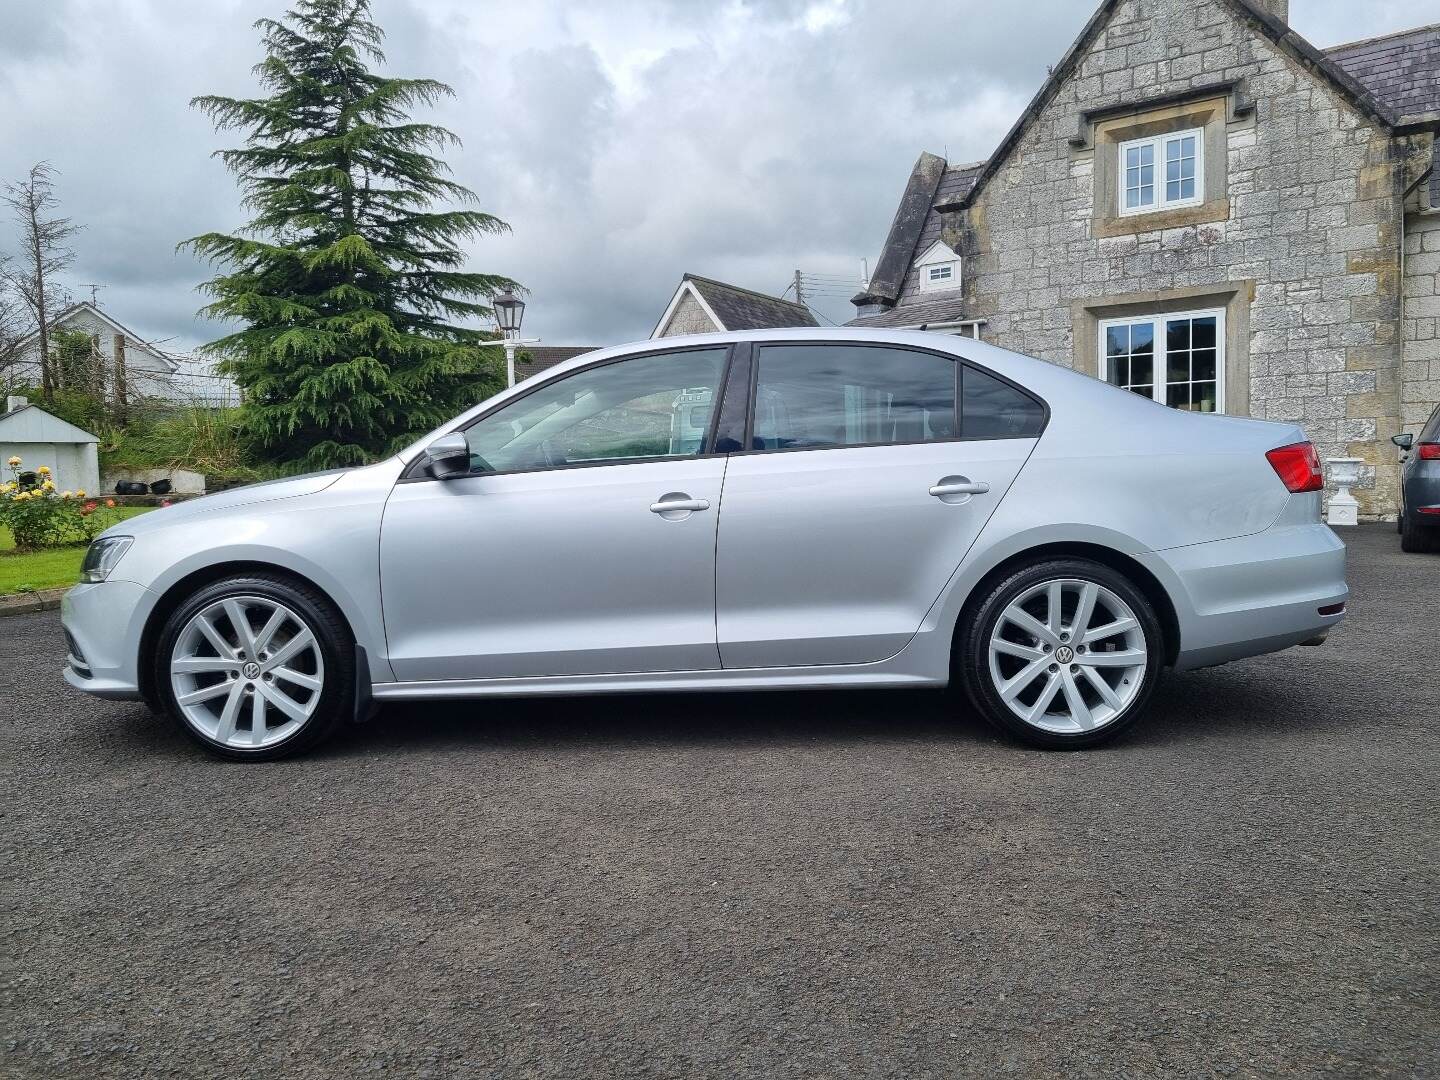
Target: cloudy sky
point(625, 142)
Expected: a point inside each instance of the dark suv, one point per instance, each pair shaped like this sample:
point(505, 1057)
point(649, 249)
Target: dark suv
point(1420, 487)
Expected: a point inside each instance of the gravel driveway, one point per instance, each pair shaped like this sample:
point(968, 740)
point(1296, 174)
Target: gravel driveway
point(752, 885)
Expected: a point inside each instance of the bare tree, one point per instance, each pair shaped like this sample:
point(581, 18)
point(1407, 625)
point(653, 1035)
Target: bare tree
point(14, 322)
point(43, 255)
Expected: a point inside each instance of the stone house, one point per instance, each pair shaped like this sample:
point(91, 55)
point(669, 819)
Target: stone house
point(703, 306)
point(1200, 206)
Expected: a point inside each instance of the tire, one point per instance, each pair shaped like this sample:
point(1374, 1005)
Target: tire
point(305, 685)
point(1023, 667)
point(1417, 538)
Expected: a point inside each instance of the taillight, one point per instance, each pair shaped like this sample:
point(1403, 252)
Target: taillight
point(1429, 451)
point(1298, 466)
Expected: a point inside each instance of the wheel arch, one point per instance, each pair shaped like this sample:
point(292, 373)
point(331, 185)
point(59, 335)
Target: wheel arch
point(183, 588)
point(1132, 569)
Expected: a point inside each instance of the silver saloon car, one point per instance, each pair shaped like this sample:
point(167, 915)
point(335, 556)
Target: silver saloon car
point(770, 510)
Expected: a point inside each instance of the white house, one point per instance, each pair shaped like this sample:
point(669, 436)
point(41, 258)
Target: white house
point(150, 371)
point(37, 438)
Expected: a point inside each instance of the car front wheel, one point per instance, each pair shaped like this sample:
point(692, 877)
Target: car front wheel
point(255, 668)
point(1063, 653)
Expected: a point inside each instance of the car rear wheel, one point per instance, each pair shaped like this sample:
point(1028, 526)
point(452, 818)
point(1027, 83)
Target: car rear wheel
point(256, 668)
point(1417, 538)
point(1063, 653)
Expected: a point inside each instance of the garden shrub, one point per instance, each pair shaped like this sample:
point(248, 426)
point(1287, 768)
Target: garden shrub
point(43, 516)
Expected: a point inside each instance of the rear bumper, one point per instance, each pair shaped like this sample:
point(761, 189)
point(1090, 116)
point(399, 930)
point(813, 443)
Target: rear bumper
point(1253, 594)
point(1422, 493)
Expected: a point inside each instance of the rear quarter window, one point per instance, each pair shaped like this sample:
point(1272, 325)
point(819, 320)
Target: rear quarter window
point(993, 409)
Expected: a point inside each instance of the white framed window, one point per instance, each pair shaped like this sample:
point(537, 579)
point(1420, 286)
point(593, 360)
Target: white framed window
point(1178, 359)
point(1162, 172)
point(938, 269)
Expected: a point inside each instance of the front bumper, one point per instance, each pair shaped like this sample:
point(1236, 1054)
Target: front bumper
point(103, 623)
point(1254, 594)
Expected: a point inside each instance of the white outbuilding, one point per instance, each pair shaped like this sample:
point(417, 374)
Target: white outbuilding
point(37, 438)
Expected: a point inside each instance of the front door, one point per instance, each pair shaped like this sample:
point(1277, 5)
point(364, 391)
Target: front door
point(862, 492)
point(583, 540)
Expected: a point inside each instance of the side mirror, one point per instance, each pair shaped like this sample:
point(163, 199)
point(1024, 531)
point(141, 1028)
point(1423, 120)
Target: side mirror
point(449, 456)
point(1404, 440)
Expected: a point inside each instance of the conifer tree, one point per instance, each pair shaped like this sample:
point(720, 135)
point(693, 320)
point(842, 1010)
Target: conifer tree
point(349, 281)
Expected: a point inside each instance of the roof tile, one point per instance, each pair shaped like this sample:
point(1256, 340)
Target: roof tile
point(745, 309)
point(1401, 70)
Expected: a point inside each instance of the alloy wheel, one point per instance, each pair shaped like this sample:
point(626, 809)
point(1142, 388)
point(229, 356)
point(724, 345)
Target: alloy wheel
point(1067, 656)
point(247, 672)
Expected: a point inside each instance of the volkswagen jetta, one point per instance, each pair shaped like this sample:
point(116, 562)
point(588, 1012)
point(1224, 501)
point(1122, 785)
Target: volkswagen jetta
point(784, 509)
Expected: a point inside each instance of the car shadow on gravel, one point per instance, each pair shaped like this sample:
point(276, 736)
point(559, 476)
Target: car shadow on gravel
point(652, 719)
point(1189, 706)
point(1186, 707)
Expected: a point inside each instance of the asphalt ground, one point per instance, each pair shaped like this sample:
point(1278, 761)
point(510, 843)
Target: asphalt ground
point(777, 885)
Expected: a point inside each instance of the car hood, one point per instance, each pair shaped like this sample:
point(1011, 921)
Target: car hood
point(269, 491)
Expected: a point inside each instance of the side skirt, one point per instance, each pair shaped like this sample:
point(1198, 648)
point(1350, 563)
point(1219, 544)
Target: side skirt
point(812, 678)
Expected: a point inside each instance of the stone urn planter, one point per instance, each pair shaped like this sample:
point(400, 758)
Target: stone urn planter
point(1343, 508)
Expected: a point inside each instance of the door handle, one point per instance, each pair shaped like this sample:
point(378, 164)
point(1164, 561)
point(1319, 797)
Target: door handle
point(678, 504)
point(958, 485)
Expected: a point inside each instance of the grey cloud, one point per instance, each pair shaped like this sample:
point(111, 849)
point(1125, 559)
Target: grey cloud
point(625, 144)
point(30, 29)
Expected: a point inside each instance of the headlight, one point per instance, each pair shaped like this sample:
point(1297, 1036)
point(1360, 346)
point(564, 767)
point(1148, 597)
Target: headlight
point(102, 556)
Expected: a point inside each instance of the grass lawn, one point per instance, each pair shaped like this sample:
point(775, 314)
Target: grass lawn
point(52, 568)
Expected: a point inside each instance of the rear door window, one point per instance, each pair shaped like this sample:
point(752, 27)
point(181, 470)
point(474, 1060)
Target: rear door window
point(818, 396)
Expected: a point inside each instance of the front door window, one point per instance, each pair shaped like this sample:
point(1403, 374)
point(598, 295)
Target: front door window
point(1177, 359)
point(654, 406)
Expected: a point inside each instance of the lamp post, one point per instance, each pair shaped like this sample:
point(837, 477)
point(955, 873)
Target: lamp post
point(509, 313)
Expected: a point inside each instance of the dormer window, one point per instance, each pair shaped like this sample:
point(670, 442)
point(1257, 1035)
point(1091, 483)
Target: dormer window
point(938, 269)
point(1162, 173)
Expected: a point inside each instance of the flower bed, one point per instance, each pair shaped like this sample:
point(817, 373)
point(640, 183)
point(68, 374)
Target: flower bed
point(40, 515)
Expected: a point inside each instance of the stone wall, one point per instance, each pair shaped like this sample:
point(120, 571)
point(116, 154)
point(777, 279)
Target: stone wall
point(1421, 329)
point(688, 318)
point(1311, 232)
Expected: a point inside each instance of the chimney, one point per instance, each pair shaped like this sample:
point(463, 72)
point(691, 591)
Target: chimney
point(15, 401)
point(1279, 9)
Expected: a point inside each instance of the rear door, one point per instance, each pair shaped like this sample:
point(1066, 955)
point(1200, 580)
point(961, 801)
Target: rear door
point(870, 471)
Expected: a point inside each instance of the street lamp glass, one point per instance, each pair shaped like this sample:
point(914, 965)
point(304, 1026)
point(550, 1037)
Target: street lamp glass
point(509, 311)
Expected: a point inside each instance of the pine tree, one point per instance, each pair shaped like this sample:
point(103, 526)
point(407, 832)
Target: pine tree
point(348, 280)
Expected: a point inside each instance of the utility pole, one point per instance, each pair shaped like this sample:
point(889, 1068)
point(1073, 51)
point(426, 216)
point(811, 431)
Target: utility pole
point(120, 395)
point(800, 289)
point(96, 374)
